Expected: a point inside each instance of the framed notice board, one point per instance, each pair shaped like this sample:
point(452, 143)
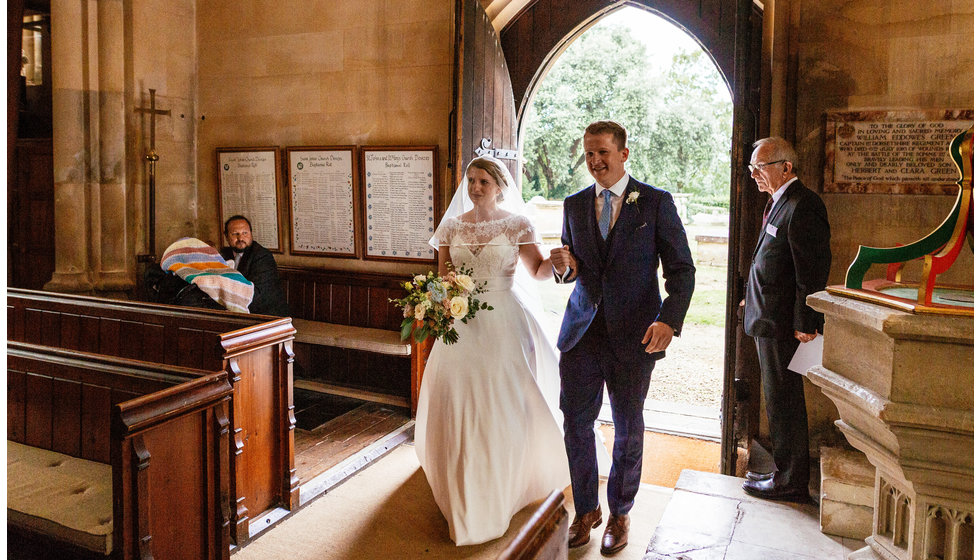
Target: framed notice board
point(322, 200)
point(400, 198)
point(248, 184)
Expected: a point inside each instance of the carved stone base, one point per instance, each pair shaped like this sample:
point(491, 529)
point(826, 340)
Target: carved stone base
point(899, 381)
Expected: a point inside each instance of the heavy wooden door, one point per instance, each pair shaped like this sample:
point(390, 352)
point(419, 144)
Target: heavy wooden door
point(730, 32)
point(30, 167)
point(485, 121)
point(30, 215)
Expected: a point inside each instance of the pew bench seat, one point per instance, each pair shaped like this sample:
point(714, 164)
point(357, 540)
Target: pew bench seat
point(379, 341)
point(59, 496)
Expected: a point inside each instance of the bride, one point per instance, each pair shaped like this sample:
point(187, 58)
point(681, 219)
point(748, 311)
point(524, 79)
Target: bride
point(488, 429)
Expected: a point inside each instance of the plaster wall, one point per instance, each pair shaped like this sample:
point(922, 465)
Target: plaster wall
point(319, 73)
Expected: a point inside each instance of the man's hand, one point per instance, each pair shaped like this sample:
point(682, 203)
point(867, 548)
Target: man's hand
point(658, 337)
point(562, 259)
point(804, 337)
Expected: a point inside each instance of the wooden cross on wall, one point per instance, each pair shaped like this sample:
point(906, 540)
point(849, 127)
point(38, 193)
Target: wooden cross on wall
point(152, 157)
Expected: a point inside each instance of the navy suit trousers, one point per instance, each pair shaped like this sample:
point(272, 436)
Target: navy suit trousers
point(589, 365)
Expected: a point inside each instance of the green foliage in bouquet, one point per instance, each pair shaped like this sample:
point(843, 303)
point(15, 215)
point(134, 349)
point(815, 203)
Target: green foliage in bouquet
point(434, 303)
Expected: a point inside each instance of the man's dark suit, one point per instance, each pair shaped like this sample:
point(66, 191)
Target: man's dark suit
point(791, 261)
point(616, 297)
point(258, 266)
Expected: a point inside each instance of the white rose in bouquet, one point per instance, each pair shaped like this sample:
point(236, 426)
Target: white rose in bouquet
point(459, 307)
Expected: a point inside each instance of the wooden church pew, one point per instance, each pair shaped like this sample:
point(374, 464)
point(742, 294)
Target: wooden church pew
point(161, 431)
point(348, 335)
point(255, 351)
point(545, 535)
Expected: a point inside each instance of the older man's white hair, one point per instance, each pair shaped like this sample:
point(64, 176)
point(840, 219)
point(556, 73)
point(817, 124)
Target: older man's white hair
point(781, 149)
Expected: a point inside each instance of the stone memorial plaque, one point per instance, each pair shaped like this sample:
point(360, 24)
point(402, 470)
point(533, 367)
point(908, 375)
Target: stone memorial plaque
point(898, 152)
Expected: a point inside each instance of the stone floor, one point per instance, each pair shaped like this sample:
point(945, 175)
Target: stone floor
point(709, 517)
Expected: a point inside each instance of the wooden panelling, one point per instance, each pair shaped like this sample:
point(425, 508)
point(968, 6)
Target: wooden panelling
point(66, 402)
point(185, 337)
point(16, 395)
point(343, 298)
point(176, 419)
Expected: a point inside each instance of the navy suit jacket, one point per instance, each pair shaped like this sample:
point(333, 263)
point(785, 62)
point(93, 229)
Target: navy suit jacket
point(791, 261)
point(647, 232)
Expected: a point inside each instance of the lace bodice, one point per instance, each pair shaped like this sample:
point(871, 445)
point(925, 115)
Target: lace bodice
point(490, 248)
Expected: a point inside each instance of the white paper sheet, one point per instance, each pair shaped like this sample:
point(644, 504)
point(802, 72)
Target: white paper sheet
point(808, 354)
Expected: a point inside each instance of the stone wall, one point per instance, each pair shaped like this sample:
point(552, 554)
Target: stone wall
point(888, 54)
point(320, 72)
point(164, 58)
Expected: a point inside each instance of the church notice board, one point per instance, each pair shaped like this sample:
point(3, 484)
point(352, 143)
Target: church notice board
point(248, 184)
point(322, 199)
point(892, 151)
point(400, 198)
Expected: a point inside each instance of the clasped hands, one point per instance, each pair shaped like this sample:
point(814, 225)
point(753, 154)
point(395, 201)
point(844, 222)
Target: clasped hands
point(562, 260)
point(658, 334)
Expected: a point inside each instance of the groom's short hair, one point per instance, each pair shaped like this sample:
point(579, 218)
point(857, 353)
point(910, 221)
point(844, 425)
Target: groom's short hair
point(617, 130)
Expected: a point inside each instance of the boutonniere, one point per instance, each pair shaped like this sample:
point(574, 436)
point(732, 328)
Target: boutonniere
point(631, 198)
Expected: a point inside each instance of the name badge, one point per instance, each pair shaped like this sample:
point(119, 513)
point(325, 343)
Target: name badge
point(771, 230)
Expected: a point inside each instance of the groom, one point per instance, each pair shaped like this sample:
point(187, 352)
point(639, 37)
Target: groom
point(616, 326)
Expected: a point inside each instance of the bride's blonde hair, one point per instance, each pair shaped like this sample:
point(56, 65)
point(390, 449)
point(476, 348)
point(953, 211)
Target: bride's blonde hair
point(495, 168)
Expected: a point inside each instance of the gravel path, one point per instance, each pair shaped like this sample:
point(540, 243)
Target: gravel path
point(693, 370)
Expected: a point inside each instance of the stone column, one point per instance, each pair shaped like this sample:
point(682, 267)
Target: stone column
point(903, 384)
point(92, 246)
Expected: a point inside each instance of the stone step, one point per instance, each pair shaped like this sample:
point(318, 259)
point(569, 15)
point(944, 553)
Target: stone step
point(710, 517)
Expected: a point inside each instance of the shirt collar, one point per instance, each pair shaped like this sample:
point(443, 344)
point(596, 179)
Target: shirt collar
point(779, 192)
point(617, 188)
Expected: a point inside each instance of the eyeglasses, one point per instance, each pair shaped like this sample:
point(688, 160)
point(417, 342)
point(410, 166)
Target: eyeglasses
point(758, 167)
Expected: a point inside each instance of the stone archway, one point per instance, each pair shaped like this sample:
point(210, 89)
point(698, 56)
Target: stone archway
point(729, 32)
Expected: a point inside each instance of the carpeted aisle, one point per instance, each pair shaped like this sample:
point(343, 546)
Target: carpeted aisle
point(387, 512)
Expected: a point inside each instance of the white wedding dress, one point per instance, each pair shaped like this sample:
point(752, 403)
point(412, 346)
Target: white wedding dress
point(488, 430)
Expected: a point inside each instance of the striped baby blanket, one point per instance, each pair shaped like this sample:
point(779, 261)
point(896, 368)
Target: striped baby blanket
point(196, 261)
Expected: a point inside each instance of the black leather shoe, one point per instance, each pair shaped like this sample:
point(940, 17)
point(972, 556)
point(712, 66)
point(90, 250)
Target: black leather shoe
point(752, 475)
point(582, 525)
point(769, 490)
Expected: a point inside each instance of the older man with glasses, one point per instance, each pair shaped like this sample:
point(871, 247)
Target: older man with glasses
point(790, 262)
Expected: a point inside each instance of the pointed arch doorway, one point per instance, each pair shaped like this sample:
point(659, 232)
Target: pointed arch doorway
point(495, 77)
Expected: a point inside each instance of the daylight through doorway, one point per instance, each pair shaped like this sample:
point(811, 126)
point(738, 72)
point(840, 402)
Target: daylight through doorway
point(642, 71)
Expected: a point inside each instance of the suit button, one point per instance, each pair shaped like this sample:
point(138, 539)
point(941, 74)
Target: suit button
point(595, 306)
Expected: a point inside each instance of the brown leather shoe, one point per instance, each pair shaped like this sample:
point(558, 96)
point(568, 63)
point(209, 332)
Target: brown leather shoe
point(614, 538)
point(578, 531)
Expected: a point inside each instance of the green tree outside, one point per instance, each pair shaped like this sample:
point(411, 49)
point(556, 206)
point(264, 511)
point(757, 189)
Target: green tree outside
point(679, 124)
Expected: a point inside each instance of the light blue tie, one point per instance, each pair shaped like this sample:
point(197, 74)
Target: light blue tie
point(606, 215)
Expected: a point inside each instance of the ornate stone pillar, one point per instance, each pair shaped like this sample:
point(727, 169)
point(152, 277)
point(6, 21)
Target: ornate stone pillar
point(903, 384)
point(92, 244)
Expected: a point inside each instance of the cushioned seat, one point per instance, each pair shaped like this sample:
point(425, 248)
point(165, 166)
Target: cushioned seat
point(57, 495)
point(356, 338)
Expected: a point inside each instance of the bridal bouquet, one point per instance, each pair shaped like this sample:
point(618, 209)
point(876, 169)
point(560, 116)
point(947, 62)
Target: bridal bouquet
point(434, 303)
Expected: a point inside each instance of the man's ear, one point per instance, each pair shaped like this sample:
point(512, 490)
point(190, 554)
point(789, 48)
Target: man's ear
point(626, 154)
